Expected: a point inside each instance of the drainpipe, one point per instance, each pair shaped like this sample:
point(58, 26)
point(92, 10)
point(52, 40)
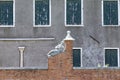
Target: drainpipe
point(21, 50)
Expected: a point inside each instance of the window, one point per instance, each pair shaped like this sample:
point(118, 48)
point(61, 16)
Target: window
point(42, 13)
point(110, 13)
point(77, 57)
point(6, 13)
point(73, 12)
point(111, 57)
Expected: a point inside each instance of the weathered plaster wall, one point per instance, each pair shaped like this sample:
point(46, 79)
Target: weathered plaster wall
point(35, 53)
point(92, 50)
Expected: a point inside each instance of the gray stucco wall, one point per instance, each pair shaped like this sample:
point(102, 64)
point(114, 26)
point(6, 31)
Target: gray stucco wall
point(35, 52)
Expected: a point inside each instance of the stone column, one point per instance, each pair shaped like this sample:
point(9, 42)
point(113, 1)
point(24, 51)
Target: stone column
point(21, 50)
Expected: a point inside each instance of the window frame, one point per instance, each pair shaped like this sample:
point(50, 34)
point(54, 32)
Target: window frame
point(117, 55)
point(34, 16)
point(102, 2)
point(66, 25)
point(13, 15)
point(80, 57)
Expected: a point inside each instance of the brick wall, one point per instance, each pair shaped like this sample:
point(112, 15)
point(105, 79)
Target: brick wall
point(60, 67)
point(83, 74)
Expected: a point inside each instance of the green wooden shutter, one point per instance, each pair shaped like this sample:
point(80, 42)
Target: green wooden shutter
point(41, 12)
point(76, 57)
point(111, 57)
point(110, 12)
point(73, 12)
point(6, 12)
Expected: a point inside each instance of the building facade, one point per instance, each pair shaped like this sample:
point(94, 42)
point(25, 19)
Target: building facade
point(60, 67)
point(39, 25)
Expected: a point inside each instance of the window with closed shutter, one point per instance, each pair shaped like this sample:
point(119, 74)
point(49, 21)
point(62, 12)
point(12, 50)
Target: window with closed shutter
point(111, 57)
point(73, 12)
point(6, 12)
point(110, 12)
point(42, 12)
point(76, 57)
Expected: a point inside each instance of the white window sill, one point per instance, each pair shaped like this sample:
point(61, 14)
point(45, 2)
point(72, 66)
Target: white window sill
point(42, 26)
point(75, 68)
point(110, 25)
point(7, 25)
point(74, 25)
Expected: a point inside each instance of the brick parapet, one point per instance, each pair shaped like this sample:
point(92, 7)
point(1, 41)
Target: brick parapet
point(82, 74)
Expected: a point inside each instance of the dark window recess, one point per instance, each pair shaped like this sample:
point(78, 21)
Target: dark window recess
point(110, 12)
point(73, 12)
point(6, 12)
point(76, 57)
point(41, 12)
point(111, 57)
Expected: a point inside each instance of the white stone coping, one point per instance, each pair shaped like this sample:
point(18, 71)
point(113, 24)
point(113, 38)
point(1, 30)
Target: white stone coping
point(46, 68)
point(26, 39)
point(23, 68)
